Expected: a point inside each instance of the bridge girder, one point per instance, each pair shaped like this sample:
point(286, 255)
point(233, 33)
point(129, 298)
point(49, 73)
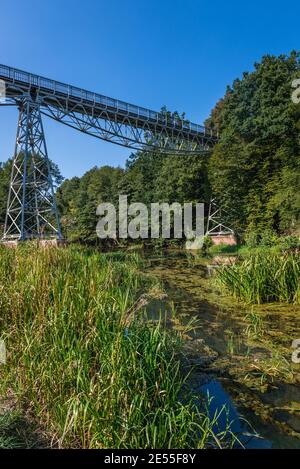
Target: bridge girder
point(107, 118)
point(125, 133)
point(31, 209)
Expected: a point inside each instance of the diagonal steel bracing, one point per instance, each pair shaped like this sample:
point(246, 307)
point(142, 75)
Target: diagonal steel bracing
point(31, 208)
point(31, 211)
point(215, 226)
point(110, 119)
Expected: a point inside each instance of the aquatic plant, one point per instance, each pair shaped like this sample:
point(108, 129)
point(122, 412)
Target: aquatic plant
point(269, 369)
point(255, 327)
point(263, 278)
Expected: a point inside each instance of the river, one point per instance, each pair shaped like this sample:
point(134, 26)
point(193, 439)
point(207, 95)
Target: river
point(240, 355)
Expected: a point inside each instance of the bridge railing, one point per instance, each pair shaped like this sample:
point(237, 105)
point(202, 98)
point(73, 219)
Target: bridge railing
point(95, 99)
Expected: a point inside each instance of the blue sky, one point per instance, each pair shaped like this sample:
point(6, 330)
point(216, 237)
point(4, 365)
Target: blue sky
point(178, 53)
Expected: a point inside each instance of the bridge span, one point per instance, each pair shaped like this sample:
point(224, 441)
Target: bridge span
point(31, 209)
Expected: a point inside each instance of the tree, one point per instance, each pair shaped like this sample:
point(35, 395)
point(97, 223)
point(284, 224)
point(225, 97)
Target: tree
point(255, 168)
point(78, 199)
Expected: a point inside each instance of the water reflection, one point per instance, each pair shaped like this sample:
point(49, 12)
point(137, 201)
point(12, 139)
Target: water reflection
point(217, 398)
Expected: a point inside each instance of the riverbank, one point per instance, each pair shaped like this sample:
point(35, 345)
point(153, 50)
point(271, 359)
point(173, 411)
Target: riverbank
point(86, 363)
point(92, 335)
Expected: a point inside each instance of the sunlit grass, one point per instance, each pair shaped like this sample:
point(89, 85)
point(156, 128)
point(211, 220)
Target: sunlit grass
point(95, 374)
point(262, 278)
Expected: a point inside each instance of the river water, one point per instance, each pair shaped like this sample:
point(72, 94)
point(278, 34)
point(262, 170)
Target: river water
point(250, 373)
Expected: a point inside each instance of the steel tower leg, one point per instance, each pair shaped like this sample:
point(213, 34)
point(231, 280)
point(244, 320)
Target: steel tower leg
point(31, 207)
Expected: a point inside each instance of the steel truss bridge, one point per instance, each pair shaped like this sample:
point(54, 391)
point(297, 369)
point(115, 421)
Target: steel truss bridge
point(31, 209)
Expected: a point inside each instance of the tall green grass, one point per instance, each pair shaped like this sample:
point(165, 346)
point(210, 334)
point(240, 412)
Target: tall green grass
point(264, 277)
point(94, 372)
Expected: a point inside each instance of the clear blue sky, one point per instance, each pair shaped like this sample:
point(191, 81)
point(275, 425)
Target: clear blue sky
point(178, 53)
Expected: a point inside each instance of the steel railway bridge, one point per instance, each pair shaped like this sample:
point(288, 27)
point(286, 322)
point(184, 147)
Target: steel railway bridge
point(31, 209)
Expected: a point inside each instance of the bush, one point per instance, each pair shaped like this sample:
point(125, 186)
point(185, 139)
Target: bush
point(207, 243)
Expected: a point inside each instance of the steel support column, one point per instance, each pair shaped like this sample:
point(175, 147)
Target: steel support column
point(215, 226)
point(31, 208)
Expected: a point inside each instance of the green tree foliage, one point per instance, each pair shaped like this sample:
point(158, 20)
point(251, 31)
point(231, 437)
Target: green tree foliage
point(78, 199)
point(154, 177)
point(140, 177)
point(255, 169)
point(183, 179)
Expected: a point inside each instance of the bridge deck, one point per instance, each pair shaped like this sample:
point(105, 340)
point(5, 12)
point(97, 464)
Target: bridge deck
point(55, 93)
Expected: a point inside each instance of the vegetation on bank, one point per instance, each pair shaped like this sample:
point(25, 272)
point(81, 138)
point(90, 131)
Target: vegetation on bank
point(265, 270)
point(263, 277)
point(93, 376)
point(269, 243)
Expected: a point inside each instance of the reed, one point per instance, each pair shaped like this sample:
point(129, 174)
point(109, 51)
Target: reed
point(263, 278)
point(94, 374)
